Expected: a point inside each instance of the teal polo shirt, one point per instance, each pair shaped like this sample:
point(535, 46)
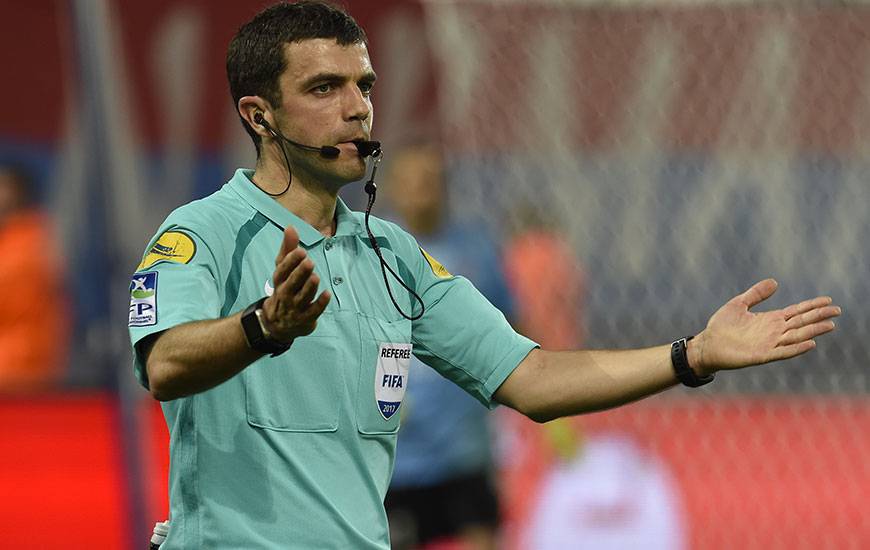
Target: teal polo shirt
point(296, 451)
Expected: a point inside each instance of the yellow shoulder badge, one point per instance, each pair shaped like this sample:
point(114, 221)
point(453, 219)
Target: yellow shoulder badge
point(438, 269)
point(172, 246)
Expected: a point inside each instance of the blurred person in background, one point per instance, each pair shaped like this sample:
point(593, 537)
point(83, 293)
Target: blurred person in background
point(564, 488)
point(549, 306)
point(34, 317)
point(442, 494)
point(549, 302)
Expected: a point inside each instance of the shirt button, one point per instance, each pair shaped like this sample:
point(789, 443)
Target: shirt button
point(328, 245)
point(337, 280)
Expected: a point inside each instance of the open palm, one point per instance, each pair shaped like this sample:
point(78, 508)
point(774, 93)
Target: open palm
point(736, 337)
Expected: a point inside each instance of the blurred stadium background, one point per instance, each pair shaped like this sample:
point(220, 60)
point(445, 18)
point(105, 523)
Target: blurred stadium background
point(685, 149)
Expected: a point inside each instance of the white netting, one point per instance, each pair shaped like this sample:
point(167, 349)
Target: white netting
point(687, 150)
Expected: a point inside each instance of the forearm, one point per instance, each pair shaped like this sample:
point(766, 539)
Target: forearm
point(547, 385)
point(550, 384)
point(197, 356)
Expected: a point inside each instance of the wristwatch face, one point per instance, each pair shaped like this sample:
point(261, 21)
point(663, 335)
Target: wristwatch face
point(252, 328)
point(263, 330)
point(257, 337)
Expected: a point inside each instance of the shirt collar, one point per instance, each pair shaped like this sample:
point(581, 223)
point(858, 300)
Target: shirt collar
point(241, 183)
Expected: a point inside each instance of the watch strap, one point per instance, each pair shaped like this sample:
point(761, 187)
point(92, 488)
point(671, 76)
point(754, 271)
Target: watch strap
point(680, 361)
point(256, 335)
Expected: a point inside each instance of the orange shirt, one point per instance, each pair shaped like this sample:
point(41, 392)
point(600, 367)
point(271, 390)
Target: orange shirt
point(34, 314)
point(548, 285)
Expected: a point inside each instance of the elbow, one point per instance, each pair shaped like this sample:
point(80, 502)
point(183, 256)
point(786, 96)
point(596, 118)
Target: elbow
point(533, 409)
point(160, 394)
point(159, 384)
point(525, 391)
point(157, 369)
point(539, 416)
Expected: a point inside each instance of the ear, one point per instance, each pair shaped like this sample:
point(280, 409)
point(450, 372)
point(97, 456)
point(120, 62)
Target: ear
point(249, 106)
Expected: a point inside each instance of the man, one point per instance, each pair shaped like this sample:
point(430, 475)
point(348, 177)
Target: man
point(34, 317)
point(442, 487)
point(283, 413)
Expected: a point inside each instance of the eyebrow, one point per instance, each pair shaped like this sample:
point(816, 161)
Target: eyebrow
point(369, 77)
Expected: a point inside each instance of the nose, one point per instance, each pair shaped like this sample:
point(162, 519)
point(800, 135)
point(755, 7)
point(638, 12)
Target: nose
point(358, 106)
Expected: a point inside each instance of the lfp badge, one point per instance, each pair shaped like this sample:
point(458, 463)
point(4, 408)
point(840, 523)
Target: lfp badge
point(391, 377)
point(143, 299)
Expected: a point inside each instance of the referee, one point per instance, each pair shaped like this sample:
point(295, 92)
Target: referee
point(259, 316)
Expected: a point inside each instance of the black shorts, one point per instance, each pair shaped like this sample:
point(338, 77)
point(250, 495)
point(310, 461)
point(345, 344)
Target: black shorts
point(421, 515)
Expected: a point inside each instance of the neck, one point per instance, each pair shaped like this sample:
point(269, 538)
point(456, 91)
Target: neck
point(306, 198)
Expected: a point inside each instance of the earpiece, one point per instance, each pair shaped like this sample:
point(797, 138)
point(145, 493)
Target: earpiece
point(261, 120)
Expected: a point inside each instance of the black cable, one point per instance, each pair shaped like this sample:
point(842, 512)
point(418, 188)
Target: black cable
point(372, 188)
point(286, 161)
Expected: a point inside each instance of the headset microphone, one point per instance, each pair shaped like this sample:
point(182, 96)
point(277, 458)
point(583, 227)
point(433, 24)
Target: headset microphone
point(365, 148)
point(368, 148)
point(327, 151)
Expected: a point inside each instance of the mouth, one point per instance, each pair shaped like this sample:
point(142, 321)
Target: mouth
point(348, 145)
point(352, 139)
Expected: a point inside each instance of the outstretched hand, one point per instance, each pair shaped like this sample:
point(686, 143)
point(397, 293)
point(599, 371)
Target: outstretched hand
point(736, 337)
point(291, 310)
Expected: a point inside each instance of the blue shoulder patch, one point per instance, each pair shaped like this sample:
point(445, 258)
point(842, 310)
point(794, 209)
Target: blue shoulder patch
point(143, 299)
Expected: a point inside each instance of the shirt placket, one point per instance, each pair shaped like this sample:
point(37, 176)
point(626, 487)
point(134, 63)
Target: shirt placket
point(336, 272)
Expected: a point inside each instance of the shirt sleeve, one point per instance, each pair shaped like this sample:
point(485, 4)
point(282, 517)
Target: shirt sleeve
point(461, 334)
point(177, 282)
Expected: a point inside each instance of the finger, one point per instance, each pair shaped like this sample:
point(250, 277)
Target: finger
point(289, 243)
point(805, 306)
point(792, 350)
point(290, 262)
point(308, 290)
point(297, 278)
point(317, 306)
point(759, 292)
point(812, 316)
point(806, 333)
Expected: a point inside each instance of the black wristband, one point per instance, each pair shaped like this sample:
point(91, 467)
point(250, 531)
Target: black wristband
point(680, 361)
point(257, 340)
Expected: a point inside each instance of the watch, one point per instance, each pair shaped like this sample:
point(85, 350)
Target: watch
point(680, 361)
point(256, 334)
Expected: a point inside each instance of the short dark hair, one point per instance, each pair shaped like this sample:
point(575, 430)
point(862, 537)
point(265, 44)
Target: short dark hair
point(255, 57)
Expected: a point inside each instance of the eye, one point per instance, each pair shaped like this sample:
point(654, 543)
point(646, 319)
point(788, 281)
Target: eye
point(366, 87)
point(322, 89)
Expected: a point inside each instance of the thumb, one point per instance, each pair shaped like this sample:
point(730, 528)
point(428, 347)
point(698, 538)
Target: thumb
point(759, 292)
point(290, 242)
